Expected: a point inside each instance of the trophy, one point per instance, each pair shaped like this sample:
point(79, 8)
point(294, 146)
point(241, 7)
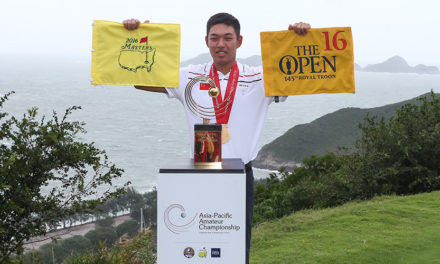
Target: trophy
point(208, 138)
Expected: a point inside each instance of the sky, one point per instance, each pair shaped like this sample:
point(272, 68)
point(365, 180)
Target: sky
point(381, 28)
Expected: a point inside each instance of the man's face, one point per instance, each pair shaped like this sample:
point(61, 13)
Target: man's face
point(223, 43)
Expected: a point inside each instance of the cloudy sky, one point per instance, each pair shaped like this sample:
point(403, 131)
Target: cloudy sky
point(380, 28)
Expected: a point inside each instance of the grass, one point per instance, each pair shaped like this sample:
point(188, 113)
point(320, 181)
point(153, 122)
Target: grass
point(388, 229)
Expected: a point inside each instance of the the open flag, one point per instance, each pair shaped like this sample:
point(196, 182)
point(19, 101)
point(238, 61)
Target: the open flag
point(320, 62)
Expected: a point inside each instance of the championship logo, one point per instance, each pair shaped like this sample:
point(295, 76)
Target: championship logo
point(176, 220)
point(136, 54)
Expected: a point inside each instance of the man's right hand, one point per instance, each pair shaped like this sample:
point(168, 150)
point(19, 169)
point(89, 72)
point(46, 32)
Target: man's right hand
point(132, 24)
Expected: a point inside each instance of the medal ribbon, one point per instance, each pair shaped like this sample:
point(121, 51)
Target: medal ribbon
point(222, 112)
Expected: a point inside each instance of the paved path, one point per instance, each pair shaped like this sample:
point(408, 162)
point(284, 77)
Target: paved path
point(81, 230)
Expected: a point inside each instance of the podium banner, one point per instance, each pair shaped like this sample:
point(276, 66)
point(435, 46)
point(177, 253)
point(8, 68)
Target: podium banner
point(201, 214)
point(147, 56)
point(320, 62)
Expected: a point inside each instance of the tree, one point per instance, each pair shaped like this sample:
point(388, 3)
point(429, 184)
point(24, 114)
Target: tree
point(106, 221)
point(129, 227)
point(148, 202)
point(60, 250)
point(151, 202)
point(400, 155)
point(140, 249)
point(105, 234)
point(51, 252)
point(75, 245)
point(318, 183)
point(46, 175)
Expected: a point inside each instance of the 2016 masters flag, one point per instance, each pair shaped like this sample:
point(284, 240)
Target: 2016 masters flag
point(148, 56)
point(320, 62)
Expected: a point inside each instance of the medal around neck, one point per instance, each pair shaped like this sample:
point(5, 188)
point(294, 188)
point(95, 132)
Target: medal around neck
point(208, 137)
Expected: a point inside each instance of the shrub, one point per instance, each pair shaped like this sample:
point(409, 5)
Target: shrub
point(106, 235)
point(140, 249)
point(47, 175)
point(105, 222)
point(129, 227)
point(400, 155)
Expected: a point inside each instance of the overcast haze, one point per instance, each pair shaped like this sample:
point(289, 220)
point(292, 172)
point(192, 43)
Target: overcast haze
point(380, 28)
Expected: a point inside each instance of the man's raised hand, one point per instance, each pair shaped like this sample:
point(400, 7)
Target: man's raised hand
point(132, 23)
point(300, 28)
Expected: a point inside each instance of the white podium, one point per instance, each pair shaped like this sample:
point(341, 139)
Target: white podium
point(201, 213)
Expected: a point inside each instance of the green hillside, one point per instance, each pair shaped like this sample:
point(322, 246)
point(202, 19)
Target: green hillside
point(388, 229)
point(325, 134)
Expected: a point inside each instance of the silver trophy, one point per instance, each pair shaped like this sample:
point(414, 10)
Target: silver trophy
point(208, 137)
point(208, 113)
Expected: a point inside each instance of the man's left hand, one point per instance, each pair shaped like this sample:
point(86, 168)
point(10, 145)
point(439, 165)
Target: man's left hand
point(300, 28)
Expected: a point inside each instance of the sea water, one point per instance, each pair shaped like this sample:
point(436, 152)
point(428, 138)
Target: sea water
point(141, 131)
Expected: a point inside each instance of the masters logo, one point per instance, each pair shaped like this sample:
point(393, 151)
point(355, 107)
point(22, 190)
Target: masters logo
point(136, 54)
point(203, 253)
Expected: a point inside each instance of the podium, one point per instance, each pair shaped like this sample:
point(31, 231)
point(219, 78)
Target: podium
point(201, 213)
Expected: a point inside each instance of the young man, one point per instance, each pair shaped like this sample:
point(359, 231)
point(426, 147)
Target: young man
point(249, 104)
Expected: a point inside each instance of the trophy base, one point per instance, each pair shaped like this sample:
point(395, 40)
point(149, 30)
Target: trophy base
point(208, 165)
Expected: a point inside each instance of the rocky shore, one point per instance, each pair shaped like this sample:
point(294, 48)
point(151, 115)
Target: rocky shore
point(268, 161)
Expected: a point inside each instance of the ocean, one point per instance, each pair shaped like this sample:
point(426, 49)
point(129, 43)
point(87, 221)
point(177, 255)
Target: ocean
point(142, 131)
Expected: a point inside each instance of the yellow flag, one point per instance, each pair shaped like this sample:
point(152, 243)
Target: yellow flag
point(320, 62)
point(148, 56)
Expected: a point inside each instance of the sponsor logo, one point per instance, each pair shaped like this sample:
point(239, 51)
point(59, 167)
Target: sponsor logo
point(188, 252)
point(215, 252)
point(203, 253)
point(176, 219)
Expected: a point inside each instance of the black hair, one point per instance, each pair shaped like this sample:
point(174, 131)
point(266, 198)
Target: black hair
point(223, 18)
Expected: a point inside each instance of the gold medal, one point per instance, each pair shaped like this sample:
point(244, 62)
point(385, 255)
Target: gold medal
point(226, 135)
